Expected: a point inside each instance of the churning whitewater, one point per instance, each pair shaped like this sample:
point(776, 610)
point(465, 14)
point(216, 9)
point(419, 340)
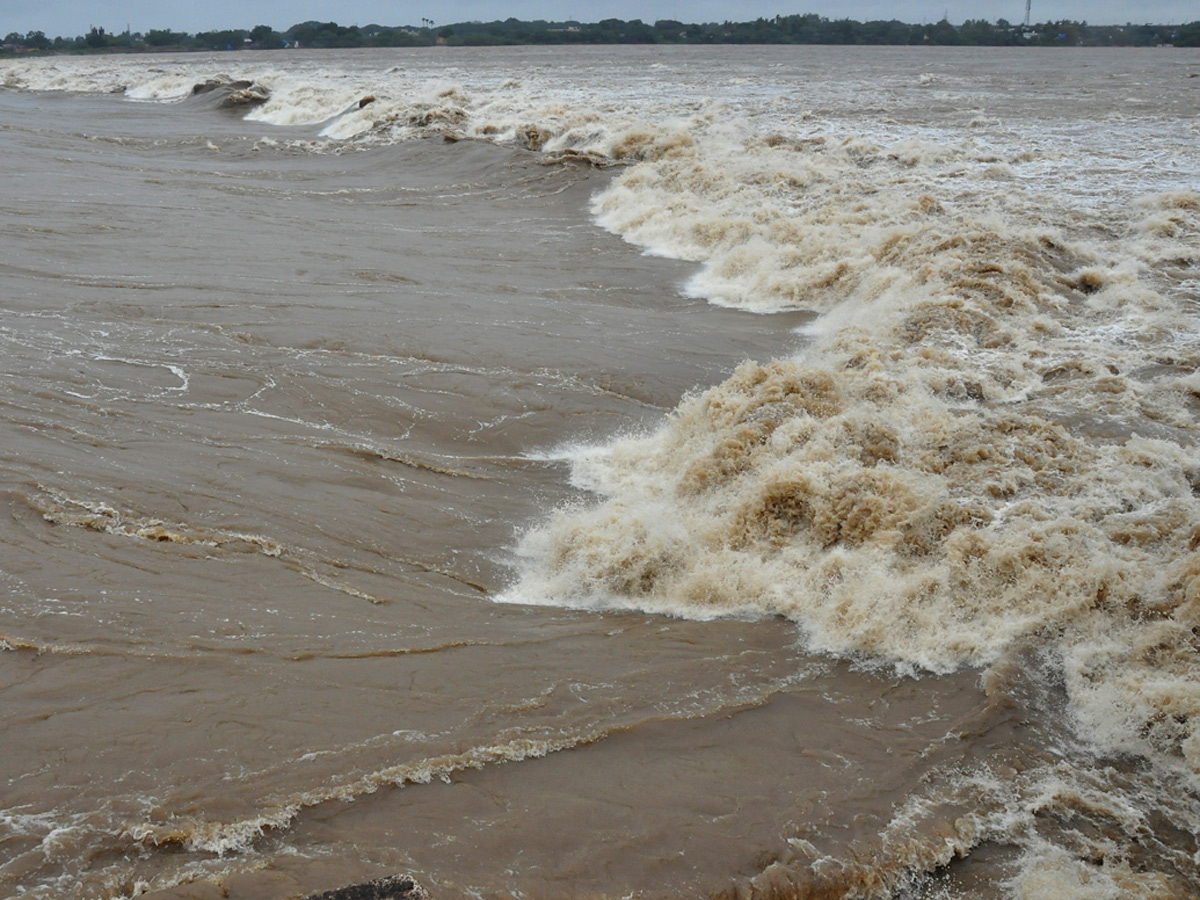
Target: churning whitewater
point(876, 568)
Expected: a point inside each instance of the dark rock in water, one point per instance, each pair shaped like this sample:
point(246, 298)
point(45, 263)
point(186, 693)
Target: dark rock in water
point(254, 95)
point(213, 83)
point(394, 887)
point(228, 93)
point(370, 98)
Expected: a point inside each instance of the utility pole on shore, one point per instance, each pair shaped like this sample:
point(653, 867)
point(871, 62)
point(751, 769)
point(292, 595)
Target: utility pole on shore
point(1028, 3)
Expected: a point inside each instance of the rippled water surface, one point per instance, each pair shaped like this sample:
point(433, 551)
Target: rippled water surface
point(645, 472)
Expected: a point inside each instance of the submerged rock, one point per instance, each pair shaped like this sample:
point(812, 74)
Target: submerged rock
point(394, 887)
point(221, 81)
point(232, 93)
point(253, 95)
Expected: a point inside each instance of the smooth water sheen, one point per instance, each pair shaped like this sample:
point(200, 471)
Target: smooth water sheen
point(606, 472)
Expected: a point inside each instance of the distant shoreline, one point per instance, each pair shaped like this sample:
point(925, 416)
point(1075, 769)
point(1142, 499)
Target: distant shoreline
point(807, 29)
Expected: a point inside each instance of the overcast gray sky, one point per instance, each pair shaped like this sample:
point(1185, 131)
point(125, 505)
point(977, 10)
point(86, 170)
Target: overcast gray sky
point(72, 17)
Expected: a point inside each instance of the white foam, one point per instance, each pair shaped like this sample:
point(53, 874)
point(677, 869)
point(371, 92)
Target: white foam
point(923, 485)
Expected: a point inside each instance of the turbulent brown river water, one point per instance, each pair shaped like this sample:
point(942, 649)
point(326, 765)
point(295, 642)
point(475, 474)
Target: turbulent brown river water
point(606, 473)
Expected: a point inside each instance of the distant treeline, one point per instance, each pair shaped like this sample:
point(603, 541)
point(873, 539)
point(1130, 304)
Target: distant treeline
point(797, 29)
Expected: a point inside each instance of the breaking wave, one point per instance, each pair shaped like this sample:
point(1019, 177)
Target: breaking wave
point(990, 440)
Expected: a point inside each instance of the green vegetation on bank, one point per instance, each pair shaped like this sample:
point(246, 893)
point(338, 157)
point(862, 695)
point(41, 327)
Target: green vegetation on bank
point(796, 29)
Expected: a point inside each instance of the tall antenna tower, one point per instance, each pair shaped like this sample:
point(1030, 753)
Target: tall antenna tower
point(1028, 3)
